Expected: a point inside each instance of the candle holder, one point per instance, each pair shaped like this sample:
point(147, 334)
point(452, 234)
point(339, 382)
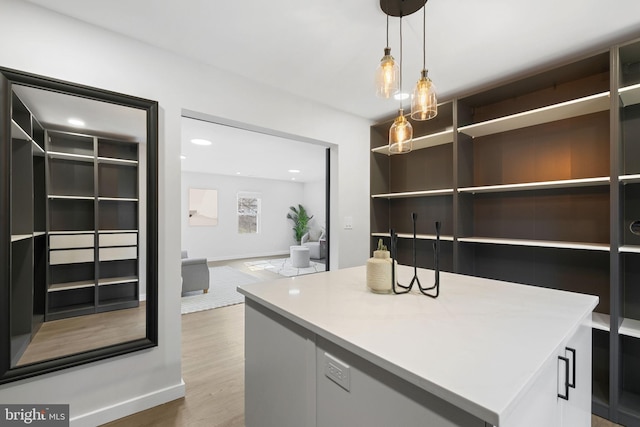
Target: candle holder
point(396, 287)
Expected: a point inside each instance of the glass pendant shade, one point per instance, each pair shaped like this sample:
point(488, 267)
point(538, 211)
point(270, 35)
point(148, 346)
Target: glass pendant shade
point(424, 101)
point(400, 135)
point(387, 76)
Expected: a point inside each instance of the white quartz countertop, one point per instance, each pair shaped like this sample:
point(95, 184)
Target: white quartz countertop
point(478, 345)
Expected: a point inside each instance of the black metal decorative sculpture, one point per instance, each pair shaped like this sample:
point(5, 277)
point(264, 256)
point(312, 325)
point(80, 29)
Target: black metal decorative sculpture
point(401, 289)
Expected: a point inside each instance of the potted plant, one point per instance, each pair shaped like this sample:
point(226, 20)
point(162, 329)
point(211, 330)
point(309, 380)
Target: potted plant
point(300, 220)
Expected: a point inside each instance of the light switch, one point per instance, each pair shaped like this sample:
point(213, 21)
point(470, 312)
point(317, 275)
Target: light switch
point(348, 223)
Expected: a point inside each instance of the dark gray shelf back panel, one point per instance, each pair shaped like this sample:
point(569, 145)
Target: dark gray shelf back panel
point(70, 144)
point(65, 273)
point(569, 149)
point(118, 268)
point(579, 216)
point(70, 178)
point(71, 215)
point(117, 181)
point(630, 117)
point(118, 215)
point(427, 169)
point(21, 187)
point(117, 149)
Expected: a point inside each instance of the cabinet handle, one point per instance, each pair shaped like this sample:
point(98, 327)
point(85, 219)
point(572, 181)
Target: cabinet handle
point(572, 383)
point(566, 378)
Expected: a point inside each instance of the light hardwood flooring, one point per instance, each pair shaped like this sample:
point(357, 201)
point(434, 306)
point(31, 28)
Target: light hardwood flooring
point(213, 370)
point(77, 334)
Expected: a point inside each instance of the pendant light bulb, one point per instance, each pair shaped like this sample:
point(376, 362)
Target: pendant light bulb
point(424, 101)
point(387, 76)
point(400, 135)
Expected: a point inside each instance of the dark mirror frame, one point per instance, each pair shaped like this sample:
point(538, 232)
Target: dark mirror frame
point(7, 78)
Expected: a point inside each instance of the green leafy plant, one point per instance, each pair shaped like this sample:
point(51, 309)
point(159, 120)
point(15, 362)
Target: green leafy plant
point(300, 220)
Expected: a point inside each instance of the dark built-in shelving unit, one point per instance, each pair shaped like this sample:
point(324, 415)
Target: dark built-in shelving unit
point(73, 215)
point(535, 181)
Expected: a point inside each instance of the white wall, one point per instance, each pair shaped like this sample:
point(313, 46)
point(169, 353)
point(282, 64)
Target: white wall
point(42, 42)
point(223, 241)
point(314, 203)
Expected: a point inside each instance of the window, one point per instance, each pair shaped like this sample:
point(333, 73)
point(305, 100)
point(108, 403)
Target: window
point(248, 213)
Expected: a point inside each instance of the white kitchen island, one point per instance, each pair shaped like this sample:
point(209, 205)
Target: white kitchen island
point(322, 350)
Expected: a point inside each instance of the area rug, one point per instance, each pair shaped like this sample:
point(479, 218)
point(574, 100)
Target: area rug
point(223, 282)
point(283, 267)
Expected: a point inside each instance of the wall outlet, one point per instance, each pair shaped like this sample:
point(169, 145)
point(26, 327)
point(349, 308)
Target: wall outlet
point(337, 371)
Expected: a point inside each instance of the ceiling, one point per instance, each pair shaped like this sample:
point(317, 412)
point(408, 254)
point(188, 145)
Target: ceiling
point(327, 51)
point(238, 152)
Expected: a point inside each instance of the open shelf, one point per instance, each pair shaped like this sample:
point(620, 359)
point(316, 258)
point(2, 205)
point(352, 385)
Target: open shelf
point(629, 249)
point(630, 328)
point(18, 133)
point(419, 143)
point(566, 183)
point(601, 321)
point(121, 162)
point(630, 179)
point(552, 113)
point(71, 285)
point(630, 95)
point(405, 194)
point(70, 156)
point(118, 199)
point(538, 243)
point(17, 237)
point(418, 236)
point(117, 280)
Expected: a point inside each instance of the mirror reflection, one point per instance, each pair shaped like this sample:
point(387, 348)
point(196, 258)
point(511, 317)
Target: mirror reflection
point(78, 203)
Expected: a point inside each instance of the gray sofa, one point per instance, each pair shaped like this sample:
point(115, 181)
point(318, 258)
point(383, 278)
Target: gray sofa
point(317, 249)
point(195, 274)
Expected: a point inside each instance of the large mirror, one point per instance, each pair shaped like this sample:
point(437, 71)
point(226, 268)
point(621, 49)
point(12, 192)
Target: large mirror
point(78, 224)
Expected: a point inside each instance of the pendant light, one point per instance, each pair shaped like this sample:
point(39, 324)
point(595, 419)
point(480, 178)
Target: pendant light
point(424, 102)
point(386, 78)
point(401, 132)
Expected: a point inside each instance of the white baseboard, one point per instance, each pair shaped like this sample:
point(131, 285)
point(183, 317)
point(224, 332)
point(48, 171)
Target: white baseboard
point(251, 255)
point(129, 407)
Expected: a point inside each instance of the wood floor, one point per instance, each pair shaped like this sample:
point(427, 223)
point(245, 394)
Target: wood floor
point(77, 334)
point(213, 370)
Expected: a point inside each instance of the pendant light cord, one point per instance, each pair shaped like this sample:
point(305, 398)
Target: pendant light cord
point(387, 31)
point(400, 80)
point(424, 37)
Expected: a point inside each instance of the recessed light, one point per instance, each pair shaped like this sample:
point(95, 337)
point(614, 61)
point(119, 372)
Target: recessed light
point(400, 96)
point(182, 157)
point(75, 122)
point(293, 179)
point(198, 141)
point(294, 171)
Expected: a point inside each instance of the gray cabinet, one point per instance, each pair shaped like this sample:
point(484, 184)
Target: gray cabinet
point(535, 181)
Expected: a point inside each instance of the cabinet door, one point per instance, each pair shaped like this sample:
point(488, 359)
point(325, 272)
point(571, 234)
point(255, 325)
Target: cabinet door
point(576, 411)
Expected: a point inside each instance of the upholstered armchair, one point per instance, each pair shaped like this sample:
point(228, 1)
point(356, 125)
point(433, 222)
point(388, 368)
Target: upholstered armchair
point(195, 274)
point(317, 249)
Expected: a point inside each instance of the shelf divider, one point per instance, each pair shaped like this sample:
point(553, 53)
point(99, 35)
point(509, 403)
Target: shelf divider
point(541, 185)
point(408, 194)
point(419, 143)
point(538, 243)
point(630, 95)
point(564, 110)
